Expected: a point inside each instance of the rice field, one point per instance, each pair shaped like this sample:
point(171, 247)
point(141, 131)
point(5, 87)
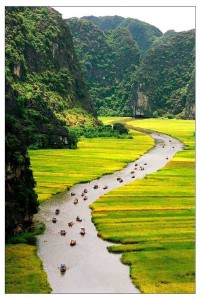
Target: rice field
point(24, 274)
point(55, 170)
point(153, 219)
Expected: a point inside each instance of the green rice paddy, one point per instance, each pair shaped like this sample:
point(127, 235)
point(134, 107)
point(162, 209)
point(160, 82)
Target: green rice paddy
point(24, 274)
point(153, 219)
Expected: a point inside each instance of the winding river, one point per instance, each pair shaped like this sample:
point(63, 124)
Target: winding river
point(92, 269)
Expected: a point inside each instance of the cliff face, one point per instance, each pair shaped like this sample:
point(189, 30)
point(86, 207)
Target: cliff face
point(167, 77)
point(108, 59)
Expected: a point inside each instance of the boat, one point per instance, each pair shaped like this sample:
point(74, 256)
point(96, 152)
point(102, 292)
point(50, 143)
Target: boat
point(57, 211)
point(105, 187)
point(63, 268)
point(85, 191)
point(54, 220)
point(70, 224)
point(73, 243)
point(95, 186)
point(78, 219)
point(75, 201)
point(63, 232)
point(82, 232)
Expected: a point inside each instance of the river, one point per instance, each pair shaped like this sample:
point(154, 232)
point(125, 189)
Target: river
point(92, 269)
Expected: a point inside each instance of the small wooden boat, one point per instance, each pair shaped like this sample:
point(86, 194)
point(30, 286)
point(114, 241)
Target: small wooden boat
point(70, 224)
point(82, 232)
point(54, 220)
point(63, 232)
point(167, 158)
point(57, 211)
point(132, 172)
point(136, 165)
point(85, 191)
point(73, 243)
point(121, 180)
point(82, 194)
point(105, 187)
point(145, 164)
point(118, 178)
point(78, 219)
point(95, 186)
point(85, 198)
point(63, 268)
point(133, 176)
point(73, 194)
point(75, 201)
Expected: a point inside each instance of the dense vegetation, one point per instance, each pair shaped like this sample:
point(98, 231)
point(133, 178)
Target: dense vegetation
point(133, 70)
point(43, 76)
point(143, 33)
point(167, 75)
point(153, 219)
point(108, 59)
point(43, 83)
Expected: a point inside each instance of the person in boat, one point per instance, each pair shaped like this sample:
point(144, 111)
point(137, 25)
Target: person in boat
point(105, 187)
point(57, 211)
point(54, 220)
point(63, 268)
point(73, 243)
point(95, 186)
point(82, 232)
point(70, 224)
point(78, 219)
point(75, 201)
point(63, 232)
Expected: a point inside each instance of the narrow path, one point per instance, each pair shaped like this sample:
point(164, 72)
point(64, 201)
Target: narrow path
point(92, 269)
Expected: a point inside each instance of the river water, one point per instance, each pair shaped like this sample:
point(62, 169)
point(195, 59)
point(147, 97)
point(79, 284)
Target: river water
point(92, 269)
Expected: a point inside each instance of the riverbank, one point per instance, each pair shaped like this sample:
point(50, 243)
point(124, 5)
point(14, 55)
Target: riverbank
point(92, 269)
point(153, 220)
point(55, 170)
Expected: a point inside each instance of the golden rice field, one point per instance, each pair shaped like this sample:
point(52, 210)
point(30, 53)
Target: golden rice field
point(153, 219)
point(57, 169)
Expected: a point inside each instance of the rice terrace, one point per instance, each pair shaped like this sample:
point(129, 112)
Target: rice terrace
point(100, 155)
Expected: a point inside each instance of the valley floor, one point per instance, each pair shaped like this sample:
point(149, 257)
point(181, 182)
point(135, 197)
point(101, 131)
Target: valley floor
point(157, 231)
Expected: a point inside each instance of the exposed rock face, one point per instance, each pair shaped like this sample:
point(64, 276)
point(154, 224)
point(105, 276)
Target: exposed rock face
point(142, 107)
point(166, 75)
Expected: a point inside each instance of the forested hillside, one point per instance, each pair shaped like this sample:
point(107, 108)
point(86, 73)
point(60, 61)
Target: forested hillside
point(43, 76)
point(132, 69)
point(166, 77)
point(143, 33)
point(45, 93)
point(108, 59)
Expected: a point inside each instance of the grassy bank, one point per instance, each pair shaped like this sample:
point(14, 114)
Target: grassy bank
point(153, 218)
point(24, 272)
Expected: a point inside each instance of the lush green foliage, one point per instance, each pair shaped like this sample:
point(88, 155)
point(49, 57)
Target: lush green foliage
point(43, 76)
point(108, 60)
point(118, 130)
point(143, 33)
point(153, 218)
point(24, 274)
point(166, 75)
